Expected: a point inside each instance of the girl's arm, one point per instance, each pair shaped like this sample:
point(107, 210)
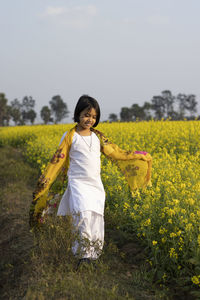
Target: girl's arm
point(55, 166)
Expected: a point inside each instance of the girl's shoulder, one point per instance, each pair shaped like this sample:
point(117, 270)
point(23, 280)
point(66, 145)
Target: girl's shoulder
point(76, 136)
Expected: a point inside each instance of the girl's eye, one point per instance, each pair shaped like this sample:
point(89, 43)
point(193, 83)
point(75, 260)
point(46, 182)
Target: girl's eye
point(88, 115)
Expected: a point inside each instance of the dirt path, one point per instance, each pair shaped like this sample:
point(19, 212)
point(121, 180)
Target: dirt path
point(16, 185)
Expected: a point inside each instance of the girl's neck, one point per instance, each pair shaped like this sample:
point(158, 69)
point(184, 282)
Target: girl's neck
point(83, 131)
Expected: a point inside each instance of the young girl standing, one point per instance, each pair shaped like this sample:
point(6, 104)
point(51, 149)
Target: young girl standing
point(79, 155)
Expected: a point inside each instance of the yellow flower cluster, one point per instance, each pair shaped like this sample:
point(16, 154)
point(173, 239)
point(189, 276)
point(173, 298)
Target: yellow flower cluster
point(196, 280)
point(166, 216)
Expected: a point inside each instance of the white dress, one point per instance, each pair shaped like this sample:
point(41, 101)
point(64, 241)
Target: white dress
point(85, 191)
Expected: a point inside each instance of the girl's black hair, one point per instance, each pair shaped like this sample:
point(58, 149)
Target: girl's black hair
point(84, 102)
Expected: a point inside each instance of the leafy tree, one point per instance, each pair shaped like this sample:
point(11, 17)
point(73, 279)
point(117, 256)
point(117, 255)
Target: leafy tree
point(45, 114)
point(158, 105)
point(7, 115)
point(16, 111)
point(27, 112)
point(112, 117)
point(126, 114)
point(31, 115)
point(22, 112)
point(163, 105)
point(147, 109)
point(58, 108)
point(186, 103)
point(3, 109)
point(168, 100)
point(191, 105)
point(28, 103)
point(137, 112)
point(182, 105)
point(24, 118)
point(174, 115)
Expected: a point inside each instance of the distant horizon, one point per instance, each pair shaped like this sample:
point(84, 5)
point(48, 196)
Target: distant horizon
point(104, 117)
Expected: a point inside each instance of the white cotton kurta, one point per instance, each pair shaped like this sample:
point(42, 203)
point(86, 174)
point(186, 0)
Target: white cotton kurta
point(85, 191)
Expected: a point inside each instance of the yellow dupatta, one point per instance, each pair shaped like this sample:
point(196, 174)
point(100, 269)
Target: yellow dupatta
point(136, 167)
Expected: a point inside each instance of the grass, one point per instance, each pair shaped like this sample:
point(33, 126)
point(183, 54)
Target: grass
point(16, 184)
point(41, 266)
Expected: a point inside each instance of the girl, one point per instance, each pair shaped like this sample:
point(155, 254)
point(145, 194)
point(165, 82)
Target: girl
point(79, 156)
point(85, 197)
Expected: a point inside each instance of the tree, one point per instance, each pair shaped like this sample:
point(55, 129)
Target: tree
point(31, 115)
point(112, 117)
point(28, 103)
point(186, 103)
point(3, 109)
point(182, 105)
point(126, 114)
point(158, 105)
point(7, 115)
point(147, 108)
point(191, 105)
point(45, 114)
point(27, 112)
point(163, 105)
point(16, 111)
point(168, 100)
point(137, 112)
point(58, 108)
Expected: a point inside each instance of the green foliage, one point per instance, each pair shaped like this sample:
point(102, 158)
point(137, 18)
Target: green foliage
point(112, 118)
point(27, 112)
point(164, 106)
point(126, 114)
point(16, 111)
point(4, 110)
point(45, 114)
point(22, 112)
point(59, 108)
point(31, 115)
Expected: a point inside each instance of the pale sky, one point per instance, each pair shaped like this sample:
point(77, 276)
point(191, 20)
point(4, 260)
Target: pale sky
point(119, 51)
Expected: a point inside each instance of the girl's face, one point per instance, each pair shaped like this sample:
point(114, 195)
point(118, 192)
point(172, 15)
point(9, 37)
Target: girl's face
point(87, 118)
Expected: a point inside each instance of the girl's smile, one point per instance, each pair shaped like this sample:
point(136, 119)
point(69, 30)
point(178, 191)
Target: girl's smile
point(87, 119)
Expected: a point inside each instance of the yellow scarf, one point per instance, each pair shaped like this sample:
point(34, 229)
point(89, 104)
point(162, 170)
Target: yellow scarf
point(136, 167)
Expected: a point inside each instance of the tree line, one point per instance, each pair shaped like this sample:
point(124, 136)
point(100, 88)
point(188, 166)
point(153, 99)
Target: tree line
point(22, 112)
point(164, 106)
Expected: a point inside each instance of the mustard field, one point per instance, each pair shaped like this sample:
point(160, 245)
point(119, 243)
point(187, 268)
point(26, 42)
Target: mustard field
point(166, 216)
